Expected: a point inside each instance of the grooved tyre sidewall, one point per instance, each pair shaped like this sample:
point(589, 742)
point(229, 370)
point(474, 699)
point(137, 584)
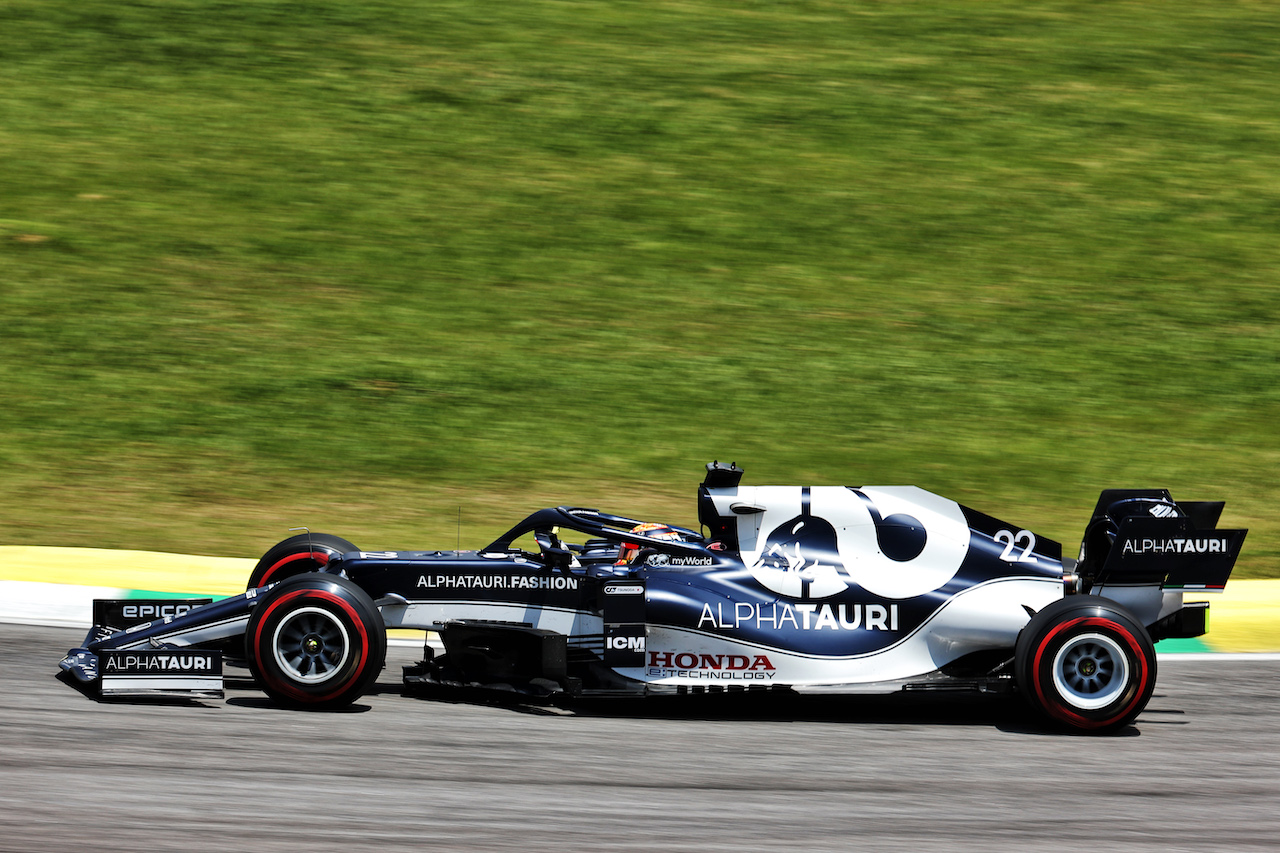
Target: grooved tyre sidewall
point(306, 552)
point(1113, 632)
point(345, 615)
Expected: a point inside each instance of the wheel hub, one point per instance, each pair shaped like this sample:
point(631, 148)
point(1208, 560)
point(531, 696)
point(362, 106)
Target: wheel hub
point(311, 645)
point(1090, 671)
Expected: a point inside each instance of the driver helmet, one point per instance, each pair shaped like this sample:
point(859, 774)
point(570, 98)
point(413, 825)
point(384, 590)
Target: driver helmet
point(652, 530)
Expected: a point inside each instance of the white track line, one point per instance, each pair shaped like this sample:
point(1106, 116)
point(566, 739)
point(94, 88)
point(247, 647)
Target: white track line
point(1217, 656)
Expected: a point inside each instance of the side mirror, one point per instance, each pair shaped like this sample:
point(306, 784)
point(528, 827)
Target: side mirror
point(554, 554)
point(558, 558)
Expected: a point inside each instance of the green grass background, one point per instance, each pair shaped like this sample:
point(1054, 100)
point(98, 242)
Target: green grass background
point(367, 265)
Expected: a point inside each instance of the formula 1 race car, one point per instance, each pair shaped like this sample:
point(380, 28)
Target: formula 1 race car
point(823, 589)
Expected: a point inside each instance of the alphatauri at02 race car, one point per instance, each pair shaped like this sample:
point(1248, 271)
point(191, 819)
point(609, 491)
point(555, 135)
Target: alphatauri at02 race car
point(823, 589)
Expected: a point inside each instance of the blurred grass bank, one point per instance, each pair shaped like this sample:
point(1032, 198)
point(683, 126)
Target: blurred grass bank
point(367, 266)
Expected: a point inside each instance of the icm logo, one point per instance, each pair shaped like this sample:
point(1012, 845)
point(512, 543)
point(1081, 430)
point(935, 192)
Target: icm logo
point(626, 644)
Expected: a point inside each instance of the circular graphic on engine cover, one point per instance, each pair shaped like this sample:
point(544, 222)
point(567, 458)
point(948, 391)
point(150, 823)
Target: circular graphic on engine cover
point(816, 542)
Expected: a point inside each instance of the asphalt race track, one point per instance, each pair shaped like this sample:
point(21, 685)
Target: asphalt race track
point(1200, 771)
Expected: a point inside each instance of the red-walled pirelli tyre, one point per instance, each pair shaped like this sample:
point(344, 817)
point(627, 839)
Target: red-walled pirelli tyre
point(316, 640)
point(306, 552)
point(1087, 663)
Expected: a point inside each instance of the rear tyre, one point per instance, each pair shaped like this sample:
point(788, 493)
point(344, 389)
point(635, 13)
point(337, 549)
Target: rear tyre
point(316, 641)
point(1086, 663)
point(306, 552)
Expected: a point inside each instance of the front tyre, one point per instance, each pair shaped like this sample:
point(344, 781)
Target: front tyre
point(306, 552)
point(1086, 663)
point(316, 641)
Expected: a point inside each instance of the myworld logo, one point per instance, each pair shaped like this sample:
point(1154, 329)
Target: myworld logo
point(660, 560)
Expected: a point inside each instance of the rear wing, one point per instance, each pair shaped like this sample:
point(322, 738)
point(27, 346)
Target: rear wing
point(1172, 552)
point(1140, 537)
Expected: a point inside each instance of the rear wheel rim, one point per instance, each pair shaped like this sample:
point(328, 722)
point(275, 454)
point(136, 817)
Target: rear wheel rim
point(1090, 671)
point(311, 645)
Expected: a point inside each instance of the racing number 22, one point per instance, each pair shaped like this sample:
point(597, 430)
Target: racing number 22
point(1023, 538)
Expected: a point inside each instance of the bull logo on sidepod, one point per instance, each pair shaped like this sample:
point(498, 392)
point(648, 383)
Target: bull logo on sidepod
point(894, 542)
point(801, 556)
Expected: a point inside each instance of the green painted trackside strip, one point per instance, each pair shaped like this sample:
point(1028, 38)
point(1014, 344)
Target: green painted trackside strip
point(1183, 645)
point(146, 593)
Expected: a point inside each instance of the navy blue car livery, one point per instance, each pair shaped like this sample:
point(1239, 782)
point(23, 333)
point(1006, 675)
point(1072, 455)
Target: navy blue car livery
point(795, 588)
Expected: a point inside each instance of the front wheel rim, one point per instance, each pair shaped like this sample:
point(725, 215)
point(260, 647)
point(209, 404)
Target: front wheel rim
point(1090, 671)
point(311, 645)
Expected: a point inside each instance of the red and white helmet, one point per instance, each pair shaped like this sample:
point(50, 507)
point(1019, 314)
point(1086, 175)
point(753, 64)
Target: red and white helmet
point(652, 530)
